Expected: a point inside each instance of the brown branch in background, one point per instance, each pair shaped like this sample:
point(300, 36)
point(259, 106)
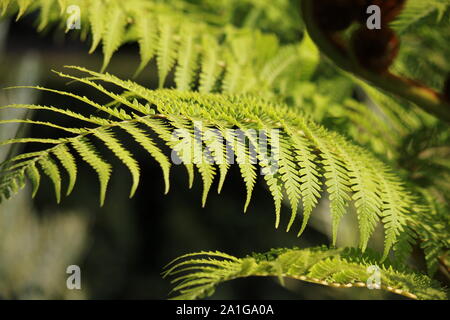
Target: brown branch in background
point(376, 71)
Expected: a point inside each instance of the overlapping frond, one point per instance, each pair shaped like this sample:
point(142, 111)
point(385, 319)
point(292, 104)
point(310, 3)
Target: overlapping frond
point(200, 55)
point(197, 275)
point(210, 131)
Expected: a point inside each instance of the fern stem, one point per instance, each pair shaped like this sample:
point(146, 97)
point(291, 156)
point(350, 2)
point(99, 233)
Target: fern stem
point(340, 285)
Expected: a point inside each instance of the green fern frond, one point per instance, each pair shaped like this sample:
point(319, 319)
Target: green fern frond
point(298, 156)
point(178, 43)
point(197, 275)
point(417, 12)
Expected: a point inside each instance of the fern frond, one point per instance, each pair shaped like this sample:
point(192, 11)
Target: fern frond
point(297, 156)
point(197, 275)
point(178, 41)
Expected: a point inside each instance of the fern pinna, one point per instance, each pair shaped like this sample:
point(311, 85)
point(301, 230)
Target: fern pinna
point(232, 88)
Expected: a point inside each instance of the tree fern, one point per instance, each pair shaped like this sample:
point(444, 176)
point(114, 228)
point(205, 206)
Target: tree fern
point(197, 275)
point(248, 97)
